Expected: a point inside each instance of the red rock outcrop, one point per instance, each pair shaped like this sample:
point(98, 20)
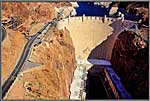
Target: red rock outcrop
point(51, 80)
point(131, 64)
point(30, 12)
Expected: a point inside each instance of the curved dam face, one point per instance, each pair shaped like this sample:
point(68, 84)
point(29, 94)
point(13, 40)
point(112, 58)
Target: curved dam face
point(87, 32)
point(93, 39)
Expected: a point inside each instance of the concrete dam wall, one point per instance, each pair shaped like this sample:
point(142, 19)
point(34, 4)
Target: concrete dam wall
point(87, 32)
point(93, 38)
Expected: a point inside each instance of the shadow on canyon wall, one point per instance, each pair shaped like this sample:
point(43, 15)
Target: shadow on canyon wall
point(104, 49)
point(137, 74)
point(94, 85)
point(131, 64)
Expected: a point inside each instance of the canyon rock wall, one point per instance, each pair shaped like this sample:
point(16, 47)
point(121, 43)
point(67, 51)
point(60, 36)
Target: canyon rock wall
point(137, 8)
point(131, 65)
point(11, 50)
point(29, 13)
point(52, 79)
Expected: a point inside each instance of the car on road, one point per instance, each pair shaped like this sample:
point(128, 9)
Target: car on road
point(37, 44)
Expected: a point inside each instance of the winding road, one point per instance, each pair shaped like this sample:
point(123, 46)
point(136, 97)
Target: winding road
point(13, 75)
point(6, 85)
point(3, 33)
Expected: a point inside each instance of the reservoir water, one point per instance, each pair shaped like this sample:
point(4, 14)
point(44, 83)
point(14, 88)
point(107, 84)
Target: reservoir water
point(89, 9)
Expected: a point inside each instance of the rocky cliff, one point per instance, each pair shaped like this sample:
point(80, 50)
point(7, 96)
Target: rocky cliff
point(28, 13)
point(130, 62)
point(56, 56)
point(11, 51)
point(52, 79)
point(137, 8)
